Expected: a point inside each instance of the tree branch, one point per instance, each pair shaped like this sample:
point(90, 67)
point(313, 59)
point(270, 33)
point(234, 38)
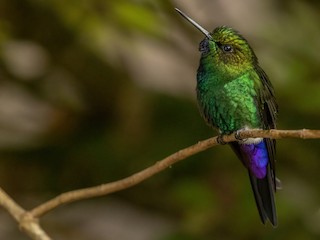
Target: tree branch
point(28, 220)
point(161, 165)
point(28, 223)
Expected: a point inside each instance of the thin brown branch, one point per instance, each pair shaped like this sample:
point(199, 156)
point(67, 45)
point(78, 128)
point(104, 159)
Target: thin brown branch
point(279, 134)
point(124, 183)
point(10, 205)
point(27, 222)
point(161, 165)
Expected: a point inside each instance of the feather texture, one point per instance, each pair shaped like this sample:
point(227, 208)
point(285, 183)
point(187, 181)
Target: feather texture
point(234, 93)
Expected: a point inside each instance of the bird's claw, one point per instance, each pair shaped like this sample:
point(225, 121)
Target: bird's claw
point(220, 140)
point(237, 135)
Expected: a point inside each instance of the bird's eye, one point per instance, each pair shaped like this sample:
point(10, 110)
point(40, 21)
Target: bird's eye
point(227, 48)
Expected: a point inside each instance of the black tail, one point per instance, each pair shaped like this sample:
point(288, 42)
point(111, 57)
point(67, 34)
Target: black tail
point(264, 188)
point(264, 196)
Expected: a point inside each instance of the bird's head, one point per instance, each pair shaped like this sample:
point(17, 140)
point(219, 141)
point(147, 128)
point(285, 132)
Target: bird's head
point(224, 48)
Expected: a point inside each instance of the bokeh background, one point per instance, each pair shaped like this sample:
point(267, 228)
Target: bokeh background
point(93, 91)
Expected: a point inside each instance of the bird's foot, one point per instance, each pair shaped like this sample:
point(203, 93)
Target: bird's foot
point(220, 140)
point(242, 140)
point(237, 135)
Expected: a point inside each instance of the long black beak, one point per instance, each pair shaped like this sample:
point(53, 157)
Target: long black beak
point(194, 23)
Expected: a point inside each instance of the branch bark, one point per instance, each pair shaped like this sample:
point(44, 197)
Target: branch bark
point(28, 220)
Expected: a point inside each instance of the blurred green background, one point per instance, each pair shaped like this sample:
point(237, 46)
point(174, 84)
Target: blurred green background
point(93, 91)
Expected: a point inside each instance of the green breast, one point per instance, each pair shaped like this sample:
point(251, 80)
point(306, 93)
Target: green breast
point(231, 105)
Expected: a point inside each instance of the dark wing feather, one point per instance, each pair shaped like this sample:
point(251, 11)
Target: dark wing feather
point(267, 100)
point(263, 188)
point(268, 113)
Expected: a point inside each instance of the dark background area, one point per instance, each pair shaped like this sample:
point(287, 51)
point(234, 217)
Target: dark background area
point(93, 91)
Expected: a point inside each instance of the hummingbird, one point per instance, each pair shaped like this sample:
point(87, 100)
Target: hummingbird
point(234, 94)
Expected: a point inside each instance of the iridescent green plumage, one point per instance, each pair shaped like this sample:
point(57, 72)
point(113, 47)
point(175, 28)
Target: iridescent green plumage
point(231, 86)
point(234, 93)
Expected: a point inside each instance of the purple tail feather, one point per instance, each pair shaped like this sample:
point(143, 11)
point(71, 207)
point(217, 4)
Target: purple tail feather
point(256, 158)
